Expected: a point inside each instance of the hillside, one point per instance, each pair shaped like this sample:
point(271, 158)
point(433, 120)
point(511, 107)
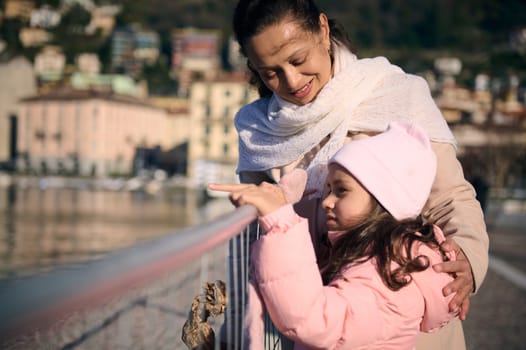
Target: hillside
point(410, 32)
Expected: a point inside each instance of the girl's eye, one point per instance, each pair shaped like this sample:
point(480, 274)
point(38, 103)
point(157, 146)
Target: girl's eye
point(340, 190)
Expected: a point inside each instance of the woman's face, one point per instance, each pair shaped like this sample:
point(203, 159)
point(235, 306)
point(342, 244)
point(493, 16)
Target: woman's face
point(293, 63)
point(348, 203)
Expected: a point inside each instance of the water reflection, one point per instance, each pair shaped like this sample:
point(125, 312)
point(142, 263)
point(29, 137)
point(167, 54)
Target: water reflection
point(42, 228)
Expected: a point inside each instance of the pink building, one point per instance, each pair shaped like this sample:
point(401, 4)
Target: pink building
point(86, 132)
point(195, 56)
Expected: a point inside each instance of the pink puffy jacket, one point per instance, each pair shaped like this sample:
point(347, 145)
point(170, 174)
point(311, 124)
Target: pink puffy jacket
point(356, 311)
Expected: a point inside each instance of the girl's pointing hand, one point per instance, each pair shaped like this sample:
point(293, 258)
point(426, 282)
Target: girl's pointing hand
point(265, 197)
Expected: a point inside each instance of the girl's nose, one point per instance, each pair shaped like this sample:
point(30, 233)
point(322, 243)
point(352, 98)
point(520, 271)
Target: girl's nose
point(327, 203)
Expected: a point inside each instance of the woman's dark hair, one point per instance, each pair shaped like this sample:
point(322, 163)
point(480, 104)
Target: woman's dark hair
point(251, 17)
point(387, 240)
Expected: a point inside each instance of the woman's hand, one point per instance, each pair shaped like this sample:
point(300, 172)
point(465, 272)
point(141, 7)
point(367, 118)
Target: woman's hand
point(293, 185)
point(462, 285)
point(265, 197)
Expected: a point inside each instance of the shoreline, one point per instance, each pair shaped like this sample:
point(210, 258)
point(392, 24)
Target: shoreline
point(150, 184)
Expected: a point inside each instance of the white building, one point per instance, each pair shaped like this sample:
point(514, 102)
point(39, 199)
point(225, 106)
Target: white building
point(50, 63)
point(18, 81)
point(44, 17)
point(88, 63)
point(213, 145)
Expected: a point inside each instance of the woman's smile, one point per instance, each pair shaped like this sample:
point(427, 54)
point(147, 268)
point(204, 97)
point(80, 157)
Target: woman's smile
point(304, 91)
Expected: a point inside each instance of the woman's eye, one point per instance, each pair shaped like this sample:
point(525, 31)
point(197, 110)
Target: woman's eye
point(268, 75)
point(298, 62)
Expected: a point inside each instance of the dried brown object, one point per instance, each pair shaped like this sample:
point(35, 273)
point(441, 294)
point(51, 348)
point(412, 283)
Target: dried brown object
point(197, 332)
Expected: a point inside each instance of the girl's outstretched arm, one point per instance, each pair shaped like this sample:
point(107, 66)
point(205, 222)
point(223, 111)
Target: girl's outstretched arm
point(265, 197)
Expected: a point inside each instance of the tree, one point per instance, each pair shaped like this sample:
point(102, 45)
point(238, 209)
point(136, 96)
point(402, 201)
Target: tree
point(70, 34)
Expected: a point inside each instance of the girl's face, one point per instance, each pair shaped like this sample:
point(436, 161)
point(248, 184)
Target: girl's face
point(293, 63)
point(348, 203)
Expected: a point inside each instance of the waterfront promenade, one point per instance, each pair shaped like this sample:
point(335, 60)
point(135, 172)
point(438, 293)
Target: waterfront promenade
point(498, 311)
point(495, 321)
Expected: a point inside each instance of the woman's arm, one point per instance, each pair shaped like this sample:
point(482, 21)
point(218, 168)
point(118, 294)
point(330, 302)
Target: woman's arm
point(452, 206)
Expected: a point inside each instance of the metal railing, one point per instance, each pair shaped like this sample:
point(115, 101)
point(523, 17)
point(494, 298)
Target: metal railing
point(136, 298)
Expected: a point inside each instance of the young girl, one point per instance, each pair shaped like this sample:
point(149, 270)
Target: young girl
point(376, 289)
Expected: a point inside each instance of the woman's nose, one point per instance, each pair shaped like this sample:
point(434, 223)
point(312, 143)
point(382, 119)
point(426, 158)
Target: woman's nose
point(292, 78)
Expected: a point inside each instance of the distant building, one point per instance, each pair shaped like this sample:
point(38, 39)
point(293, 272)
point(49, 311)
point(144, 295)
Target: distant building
point(448, 66)
point(44, 17)
point(122, 46)
point(50, 63)
point(86, 133)
point(178, 119)
point(213, 146)
point(103, 18)
point(481, 106)
point(18, 81)
point(484, 99)
point(195, 56)
point(147, 45)
point(21, 9)
point(88, 63)
point(510, 110)
point(457, 104)
point(482, 121)
point(116, 83)
point(177, 133)
point(132, 48)
point(33, 37)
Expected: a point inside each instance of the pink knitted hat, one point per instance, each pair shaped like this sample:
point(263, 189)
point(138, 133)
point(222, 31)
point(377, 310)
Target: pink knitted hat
point(397, 167)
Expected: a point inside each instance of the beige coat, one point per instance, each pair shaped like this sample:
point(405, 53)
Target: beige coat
point(451, 195)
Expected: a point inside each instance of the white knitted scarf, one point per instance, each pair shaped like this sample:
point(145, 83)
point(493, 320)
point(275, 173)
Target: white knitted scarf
point(364, 95)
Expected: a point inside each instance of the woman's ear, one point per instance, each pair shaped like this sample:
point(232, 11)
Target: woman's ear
point(325, 30)
point(249, 66)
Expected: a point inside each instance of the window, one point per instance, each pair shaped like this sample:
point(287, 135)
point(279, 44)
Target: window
point(226, 113)
point(95, 114)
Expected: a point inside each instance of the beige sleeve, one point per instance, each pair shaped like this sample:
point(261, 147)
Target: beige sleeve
point(452, 205)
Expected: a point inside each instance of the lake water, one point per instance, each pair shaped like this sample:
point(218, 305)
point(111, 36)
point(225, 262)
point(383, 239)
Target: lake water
point(40, 228)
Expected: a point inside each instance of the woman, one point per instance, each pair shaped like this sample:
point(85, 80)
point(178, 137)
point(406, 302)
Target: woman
point(316, 95)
